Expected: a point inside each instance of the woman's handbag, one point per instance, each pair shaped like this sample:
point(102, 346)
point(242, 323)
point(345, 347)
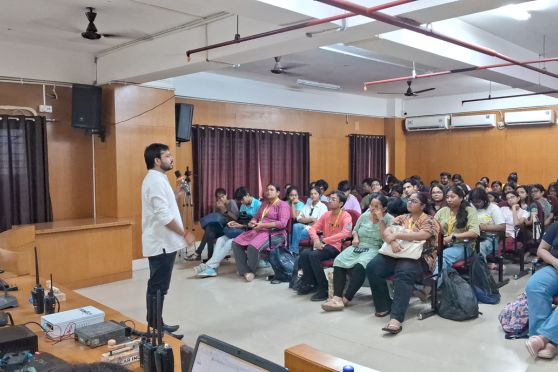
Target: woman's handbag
point(409, 249)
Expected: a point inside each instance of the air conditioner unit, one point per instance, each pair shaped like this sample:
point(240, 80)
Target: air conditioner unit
point(473, 121)
point(415, 124)
point(535, 117)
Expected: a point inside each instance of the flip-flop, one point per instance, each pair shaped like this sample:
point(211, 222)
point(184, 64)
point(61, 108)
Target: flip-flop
point(549, 352)
point(392, 330)
point(534, 344)
point(381, 314)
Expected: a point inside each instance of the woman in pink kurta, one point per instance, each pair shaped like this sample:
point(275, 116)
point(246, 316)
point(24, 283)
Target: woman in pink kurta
point(274, 214)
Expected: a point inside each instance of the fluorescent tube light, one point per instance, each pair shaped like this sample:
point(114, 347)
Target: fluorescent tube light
point(316, 84)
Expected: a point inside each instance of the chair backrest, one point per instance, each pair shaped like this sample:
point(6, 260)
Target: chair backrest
point(354, 216)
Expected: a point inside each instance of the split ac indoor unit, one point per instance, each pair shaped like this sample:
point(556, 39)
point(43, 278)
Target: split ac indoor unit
point(535, 117)
point(419, 123)
point(473, 121)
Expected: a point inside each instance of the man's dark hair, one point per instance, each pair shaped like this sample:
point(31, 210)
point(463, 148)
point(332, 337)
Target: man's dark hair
point(368, 181)
point(397, 187)
point(220, 191)
point(412, 181)
point(479, 195)
point(240, 193)
point(344, 186)
point(448, 175)
point(153, 152)
point(322, 184)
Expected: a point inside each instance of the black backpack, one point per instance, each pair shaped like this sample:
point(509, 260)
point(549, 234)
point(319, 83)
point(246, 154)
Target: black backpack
point(483, 283)
point(282, 261)
point(457, 301)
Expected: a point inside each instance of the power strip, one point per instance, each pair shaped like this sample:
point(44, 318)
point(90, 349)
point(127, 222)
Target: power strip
point(66, 322)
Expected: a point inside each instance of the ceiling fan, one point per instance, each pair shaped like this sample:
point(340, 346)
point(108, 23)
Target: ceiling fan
point(279, 68)
point(91, 31)
point(409, 92)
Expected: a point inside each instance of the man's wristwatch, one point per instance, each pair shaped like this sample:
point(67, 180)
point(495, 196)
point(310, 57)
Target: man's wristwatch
point(453, 238)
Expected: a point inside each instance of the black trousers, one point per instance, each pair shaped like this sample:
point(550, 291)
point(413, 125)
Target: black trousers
point(406, 273)
point(160, 272)
point(357, 273)
point(310, 260)
point(210, 235)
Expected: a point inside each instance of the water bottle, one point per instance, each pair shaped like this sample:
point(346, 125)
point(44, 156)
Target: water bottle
point(348, 368)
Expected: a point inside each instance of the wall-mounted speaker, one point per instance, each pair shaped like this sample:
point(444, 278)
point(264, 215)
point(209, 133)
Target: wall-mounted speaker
point(86, 107)
point(184, 114)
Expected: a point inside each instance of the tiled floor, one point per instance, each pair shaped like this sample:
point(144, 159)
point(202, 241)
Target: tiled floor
point(265, 319)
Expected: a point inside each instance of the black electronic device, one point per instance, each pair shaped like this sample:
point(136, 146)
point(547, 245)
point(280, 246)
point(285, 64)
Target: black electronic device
point(50, 299)
point(25, 361)
point(7, 301)
point(186, 356)
point(215, 355)
point(16, 339)
point(183, 115)
point(4, 286)
point(38, 292)
point(98, 334)
point(5, 319)
point(86, 108)
point(149, 342)
point(164, 357)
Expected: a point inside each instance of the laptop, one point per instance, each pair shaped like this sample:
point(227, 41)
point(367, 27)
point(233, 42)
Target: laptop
point(211, 354)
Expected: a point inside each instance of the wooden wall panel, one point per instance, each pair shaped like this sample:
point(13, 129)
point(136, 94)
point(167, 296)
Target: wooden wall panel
point(329, 145)
point(69, 150)
point(140, 116)
point(531, 151)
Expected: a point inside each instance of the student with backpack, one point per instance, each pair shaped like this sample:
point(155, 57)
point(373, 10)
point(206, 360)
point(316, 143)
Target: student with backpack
point(541, 288)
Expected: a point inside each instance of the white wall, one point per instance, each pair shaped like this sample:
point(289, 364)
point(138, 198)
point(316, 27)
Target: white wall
point(46, 64)
point(210, 86)
point(452, 104)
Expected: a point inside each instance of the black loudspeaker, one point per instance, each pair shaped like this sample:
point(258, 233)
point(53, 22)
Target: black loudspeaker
point(184, 114)
point(86, 107)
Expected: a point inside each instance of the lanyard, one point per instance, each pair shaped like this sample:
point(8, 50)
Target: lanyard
point(411, 225)
point(451, 224)
point(336, 224)
point(264, 213)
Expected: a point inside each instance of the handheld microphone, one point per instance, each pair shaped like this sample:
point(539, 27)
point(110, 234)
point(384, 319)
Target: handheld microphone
point(38, 292)
point(50, 299)
point(177, 174)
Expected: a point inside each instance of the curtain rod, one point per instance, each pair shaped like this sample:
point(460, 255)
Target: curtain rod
point(202, 126)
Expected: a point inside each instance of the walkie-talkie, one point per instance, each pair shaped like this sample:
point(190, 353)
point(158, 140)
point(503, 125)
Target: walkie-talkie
point(164, 357)
point(148, 345)
point(38, 292)
point(50, 299)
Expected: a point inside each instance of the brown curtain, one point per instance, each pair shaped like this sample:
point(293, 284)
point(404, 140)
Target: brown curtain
point(24, 193)
point(234, 157)
point(367, 157)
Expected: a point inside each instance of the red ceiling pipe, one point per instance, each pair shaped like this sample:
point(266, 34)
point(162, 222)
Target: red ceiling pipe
point(297, 26)
point(454, 71)
point(398, 22)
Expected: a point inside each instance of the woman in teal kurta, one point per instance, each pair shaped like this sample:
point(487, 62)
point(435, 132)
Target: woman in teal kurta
point(367, 240)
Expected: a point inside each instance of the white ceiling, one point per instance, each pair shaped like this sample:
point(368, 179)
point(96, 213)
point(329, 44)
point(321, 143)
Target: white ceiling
point(56, 25)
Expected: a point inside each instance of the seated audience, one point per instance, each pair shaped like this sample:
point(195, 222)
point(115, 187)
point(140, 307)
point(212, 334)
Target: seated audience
point(294, 203)
point(268, 226)
point(514, 216)
point(541, 288)
point(437, 198)
point(224, 210)
point(458, 222)
point(352, 202)
point(457, 180)
point(367, 240)
point(491, 221)
point(405, 271)
point(396, 190)
point(335, 225)
point(524, 197)
point(513, 177)
point(496, 187)
point(369, 186)
point(552, 190)
point(493, 197)
point(310, 214)
point(510, 186)
point(486, 181)
point(322, 186)
point(410, 186)
point(248, 208)
point(537, 194)
point(445, 179)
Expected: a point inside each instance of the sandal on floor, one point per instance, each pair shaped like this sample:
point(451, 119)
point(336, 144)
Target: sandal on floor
point(534, 344)
point(381, 314)
point(549, 352)
point(392, 329)
point(193, 257)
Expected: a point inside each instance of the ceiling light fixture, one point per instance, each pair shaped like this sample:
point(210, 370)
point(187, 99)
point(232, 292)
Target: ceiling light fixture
point(316, 84)
point(515, 12)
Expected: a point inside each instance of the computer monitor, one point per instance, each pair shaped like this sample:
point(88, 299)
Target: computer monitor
point(215, 355)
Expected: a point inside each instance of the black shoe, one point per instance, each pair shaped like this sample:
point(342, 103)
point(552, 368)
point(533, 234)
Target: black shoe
point(321, 295)
point(305, 289)
point(170, 328)
point(178, 337)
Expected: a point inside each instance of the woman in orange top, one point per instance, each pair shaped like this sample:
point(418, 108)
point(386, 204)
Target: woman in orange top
point(336, 225)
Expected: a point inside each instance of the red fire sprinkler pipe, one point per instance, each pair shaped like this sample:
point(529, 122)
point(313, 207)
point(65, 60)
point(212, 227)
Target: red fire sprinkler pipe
point(398, 22)
point(454, 71)
point(297, 26)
